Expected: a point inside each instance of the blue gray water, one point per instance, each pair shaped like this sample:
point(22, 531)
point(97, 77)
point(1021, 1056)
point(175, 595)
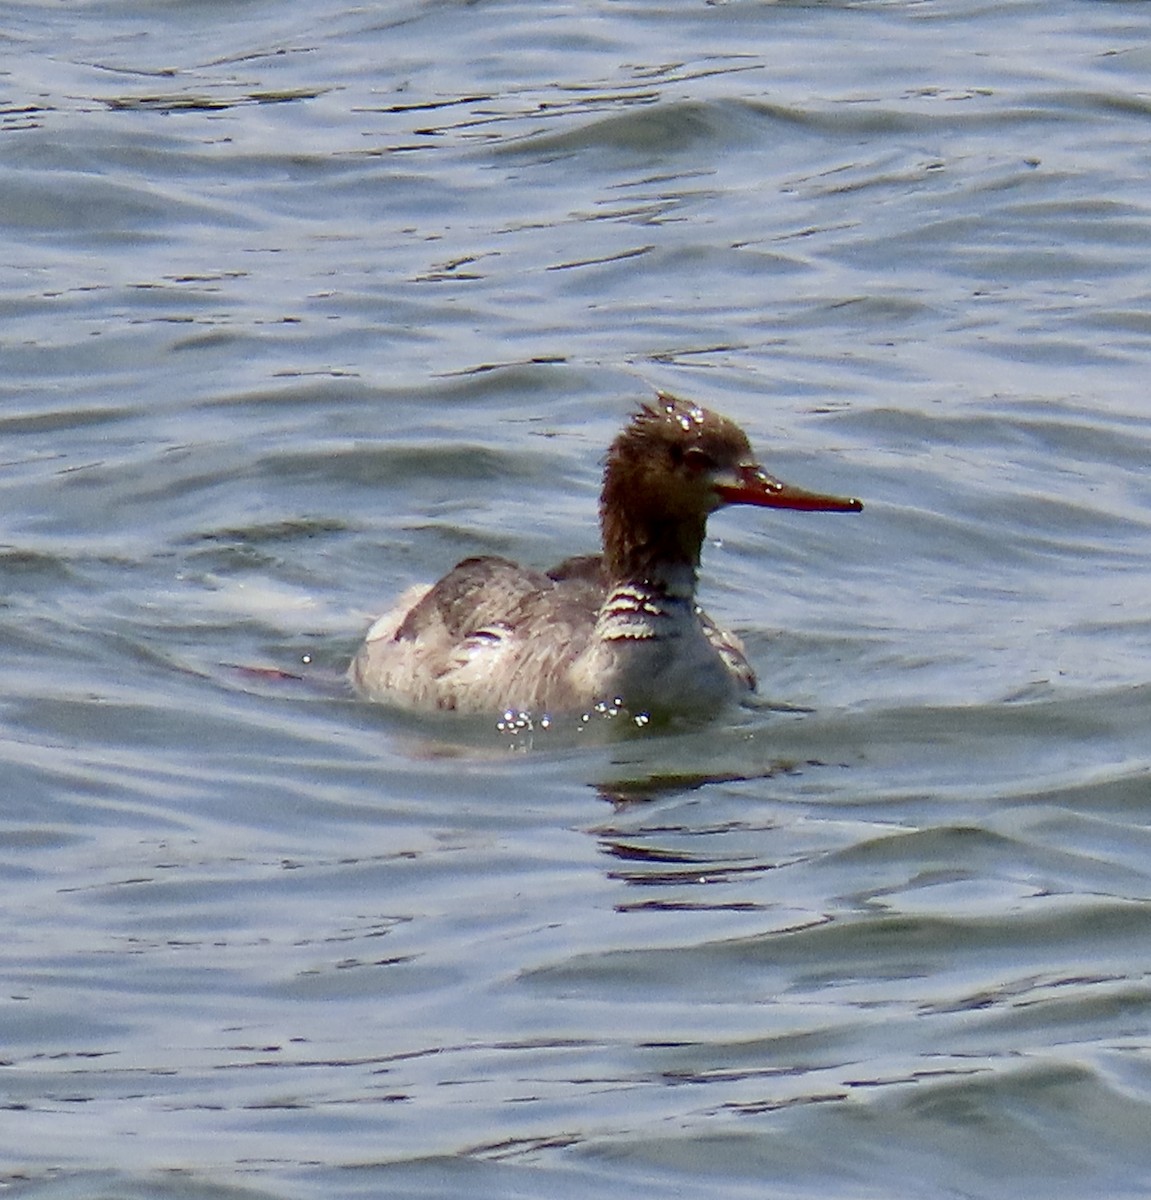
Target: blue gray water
point(303, 303)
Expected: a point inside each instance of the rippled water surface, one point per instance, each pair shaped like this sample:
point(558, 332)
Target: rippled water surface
point(303, 303)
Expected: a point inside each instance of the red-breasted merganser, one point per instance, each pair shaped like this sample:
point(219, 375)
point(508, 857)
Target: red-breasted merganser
point(622, 628)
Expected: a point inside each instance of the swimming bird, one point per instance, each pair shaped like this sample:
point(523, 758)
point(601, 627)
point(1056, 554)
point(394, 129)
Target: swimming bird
point(621, 628)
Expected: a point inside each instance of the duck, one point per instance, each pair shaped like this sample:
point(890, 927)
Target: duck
point(621, 628)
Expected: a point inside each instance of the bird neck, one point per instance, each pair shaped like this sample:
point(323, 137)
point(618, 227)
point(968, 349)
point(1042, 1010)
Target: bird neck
point(658, 552)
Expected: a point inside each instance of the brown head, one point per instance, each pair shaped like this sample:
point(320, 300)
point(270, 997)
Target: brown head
point(672, 466)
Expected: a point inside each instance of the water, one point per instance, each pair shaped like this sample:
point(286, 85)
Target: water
point(301, 304)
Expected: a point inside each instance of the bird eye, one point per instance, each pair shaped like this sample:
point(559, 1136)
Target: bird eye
point(698, 460)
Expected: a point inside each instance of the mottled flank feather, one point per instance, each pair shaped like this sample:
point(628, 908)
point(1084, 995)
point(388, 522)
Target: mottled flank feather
point(480, 624)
